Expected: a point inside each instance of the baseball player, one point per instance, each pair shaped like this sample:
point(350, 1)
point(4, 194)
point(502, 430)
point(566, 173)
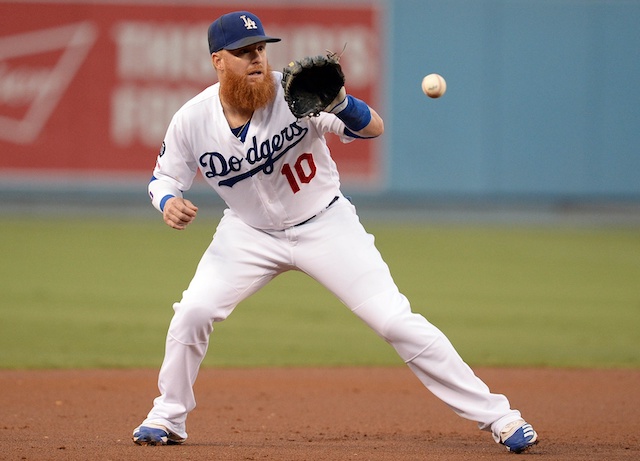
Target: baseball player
point(285, 211)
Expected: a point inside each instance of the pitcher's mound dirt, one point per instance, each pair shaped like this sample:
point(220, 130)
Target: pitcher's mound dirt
point(331, 414)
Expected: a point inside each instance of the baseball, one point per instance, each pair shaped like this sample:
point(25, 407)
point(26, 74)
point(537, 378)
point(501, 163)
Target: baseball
point(434, 85)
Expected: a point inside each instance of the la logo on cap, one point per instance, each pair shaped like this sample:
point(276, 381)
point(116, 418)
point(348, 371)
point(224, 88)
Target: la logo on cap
point(249, 23)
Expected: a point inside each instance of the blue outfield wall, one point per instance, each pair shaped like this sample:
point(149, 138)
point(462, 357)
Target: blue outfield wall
point(543, 98)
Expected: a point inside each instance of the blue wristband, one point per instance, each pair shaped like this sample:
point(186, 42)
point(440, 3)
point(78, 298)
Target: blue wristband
point(164, 201)
point(356, 115)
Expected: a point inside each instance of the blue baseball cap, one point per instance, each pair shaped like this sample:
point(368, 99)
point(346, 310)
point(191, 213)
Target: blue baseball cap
point(235, 30)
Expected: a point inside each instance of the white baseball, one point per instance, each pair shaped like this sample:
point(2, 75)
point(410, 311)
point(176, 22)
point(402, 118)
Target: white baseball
point(434, 85)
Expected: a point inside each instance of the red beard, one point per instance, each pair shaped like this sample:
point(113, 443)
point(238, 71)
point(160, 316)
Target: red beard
point(237, 92)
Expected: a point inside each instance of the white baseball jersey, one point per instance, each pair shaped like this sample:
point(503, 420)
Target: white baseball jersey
point(281, 175)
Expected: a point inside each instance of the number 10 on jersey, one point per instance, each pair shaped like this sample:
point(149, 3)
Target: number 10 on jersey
point(303, 171)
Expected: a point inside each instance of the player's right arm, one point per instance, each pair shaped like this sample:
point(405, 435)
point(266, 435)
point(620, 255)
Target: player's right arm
point(174, 173)
point(179, 212)
point(166, 196)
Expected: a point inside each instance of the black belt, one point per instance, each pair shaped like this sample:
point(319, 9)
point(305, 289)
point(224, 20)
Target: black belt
point(334, 200)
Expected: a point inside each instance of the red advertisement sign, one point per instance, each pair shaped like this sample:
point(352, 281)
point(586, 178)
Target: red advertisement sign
point(92, 86)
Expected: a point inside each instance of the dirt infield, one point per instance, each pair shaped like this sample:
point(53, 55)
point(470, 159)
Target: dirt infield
point(314, 414)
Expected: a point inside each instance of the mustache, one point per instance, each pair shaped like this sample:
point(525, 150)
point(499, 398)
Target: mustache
point(252, 70)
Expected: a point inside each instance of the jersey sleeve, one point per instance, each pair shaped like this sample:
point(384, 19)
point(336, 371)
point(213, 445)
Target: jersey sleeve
point(175, 167)
point(329, 123)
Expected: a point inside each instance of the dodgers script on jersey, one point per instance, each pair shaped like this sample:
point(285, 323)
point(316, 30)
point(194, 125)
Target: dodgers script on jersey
point(278, 177)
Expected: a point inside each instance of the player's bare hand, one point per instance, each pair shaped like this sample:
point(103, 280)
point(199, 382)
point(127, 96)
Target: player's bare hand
point(178, 212)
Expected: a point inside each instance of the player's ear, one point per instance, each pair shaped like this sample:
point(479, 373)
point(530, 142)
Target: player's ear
point(216, 61)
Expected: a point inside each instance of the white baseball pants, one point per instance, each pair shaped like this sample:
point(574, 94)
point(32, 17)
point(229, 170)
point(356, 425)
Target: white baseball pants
point(334, 249)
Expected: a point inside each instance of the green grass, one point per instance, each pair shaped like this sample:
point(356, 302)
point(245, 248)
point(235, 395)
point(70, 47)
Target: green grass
point(78, 293)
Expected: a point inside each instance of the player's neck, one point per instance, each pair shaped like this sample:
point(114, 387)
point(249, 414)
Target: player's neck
point(235, 117)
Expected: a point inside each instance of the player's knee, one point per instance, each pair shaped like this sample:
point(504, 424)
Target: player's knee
point(410, 335)
point(389, 315)
point(379, 311)
point(191, 323)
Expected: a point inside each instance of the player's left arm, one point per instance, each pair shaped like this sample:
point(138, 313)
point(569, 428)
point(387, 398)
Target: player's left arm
point(361, 120)
point(374, 129)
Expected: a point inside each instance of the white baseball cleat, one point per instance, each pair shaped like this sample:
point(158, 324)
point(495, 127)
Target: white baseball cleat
point(518, 436)
point(155, 435)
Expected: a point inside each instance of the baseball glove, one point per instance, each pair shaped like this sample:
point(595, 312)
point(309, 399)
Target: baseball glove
point(312, 83)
